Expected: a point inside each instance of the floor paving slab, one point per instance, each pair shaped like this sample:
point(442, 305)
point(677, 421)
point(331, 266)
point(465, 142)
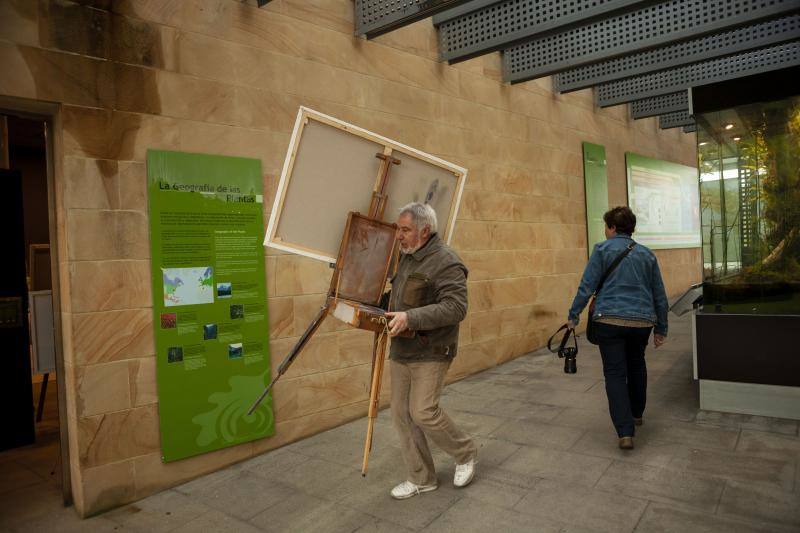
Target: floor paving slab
point(477, 424)
point(303, 512)
point(535, 433)
point(559, 465)
point(160, 513)
point(582, 506)
point(376, 525)
point(664, 519)
point(469, 515)
point(774, 473)
point(214, 521)
point(770, 445)
point(244, 495)
point(760, 504)
point(647, 451)
point(414, 513)
point(662, 485)
point(712, 438)
point(741, 421)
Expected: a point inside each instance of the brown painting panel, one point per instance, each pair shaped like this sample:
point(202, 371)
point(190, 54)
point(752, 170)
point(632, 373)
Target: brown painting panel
point(368, 250)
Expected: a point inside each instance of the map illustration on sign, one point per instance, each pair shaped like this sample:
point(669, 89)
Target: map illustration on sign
point(188, 286)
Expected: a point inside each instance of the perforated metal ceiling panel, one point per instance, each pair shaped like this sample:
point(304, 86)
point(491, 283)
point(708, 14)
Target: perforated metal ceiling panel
point(375, 17)
point(675, 120)
point(635, 31)
point(511, 21)
point(701, 49)
point(676, 79)
point(690, 129)
point(463, 9)
point(658, 105)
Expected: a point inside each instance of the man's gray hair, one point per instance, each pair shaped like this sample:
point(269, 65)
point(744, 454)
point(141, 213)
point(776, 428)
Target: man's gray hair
point(421, 215)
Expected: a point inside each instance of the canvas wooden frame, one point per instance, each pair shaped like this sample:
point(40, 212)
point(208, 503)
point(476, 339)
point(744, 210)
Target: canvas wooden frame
point(305, 116)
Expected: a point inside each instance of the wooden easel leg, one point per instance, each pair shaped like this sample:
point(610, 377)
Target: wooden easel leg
point(378, 359)
point(42, 396)
point(298, 347)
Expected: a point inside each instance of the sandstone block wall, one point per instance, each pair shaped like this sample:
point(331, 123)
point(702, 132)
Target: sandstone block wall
point(224, 77)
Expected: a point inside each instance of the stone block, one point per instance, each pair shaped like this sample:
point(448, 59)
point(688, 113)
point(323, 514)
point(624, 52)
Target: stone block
point(103, 134)
point(306, 309)
point(75, 28)
point(19, 22)
point(55, 76)
point(91, 183)
point(101, 235)
point(133, 186)
point(117, 436)
point(112, 335)
point(102, 388)
point(107, 486)
point(108, 285)
point(319, 355)
point(485, 325)
point(296, 275)
point(281, 317)
point(142, 376)
point(302, 396)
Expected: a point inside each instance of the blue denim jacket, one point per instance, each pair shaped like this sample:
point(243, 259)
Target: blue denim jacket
point(633, 290)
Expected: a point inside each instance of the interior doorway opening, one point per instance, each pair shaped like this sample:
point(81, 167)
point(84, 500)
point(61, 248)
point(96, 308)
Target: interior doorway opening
point(32, 454)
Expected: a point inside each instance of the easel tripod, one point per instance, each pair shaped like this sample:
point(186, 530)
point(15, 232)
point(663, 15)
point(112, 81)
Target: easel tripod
point(367, 254)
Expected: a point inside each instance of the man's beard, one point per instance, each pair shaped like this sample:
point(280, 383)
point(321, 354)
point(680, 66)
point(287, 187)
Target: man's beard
point(410, 251)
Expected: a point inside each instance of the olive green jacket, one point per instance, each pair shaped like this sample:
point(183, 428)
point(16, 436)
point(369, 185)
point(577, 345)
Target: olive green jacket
point(431, 287)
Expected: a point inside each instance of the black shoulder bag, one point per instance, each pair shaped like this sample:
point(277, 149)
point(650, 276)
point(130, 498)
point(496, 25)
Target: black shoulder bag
point(591, 330)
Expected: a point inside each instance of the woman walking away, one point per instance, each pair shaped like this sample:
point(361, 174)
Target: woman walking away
point(630, 301)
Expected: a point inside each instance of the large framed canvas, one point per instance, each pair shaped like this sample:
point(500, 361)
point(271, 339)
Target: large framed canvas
point(332, 168)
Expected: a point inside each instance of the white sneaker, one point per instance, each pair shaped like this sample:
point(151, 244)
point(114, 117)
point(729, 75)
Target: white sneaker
point(464, 473)
point(407, 489)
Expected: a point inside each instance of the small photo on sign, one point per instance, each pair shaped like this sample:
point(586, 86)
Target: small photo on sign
point(169, 320)
point(174, 354)
point(237, 311)
point(209, 332)
point(224, 290)
point(235, 351)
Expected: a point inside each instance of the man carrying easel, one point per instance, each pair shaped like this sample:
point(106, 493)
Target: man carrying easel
point(429, 296)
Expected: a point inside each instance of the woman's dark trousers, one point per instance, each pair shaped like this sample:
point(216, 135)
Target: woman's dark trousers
point(622, 349)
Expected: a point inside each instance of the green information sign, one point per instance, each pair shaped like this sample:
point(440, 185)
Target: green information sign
point(595, 180)
point(209, 300)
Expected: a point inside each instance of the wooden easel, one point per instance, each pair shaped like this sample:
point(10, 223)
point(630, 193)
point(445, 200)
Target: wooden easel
point(361, 307)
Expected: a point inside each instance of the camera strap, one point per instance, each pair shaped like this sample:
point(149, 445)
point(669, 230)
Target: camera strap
point(612, 266)
point(564, 339)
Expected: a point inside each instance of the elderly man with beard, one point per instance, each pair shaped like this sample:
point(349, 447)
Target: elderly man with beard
point(428, 297)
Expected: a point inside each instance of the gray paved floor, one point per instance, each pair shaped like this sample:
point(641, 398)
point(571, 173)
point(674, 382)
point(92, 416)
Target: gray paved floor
point(548, 462)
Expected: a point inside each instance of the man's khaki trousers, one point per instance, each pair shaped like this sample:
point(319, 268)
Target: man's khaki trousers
point(416, 388)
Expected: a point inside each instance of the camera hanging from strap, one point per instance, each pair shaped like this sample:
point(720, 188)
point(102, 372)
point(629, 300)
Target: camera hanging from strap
point(568, 353)
point(564, 340)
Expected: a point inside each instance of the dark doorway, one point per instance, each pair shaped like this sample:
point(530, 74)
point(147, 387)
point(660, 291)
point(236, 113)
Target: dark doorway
point(30, 454)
